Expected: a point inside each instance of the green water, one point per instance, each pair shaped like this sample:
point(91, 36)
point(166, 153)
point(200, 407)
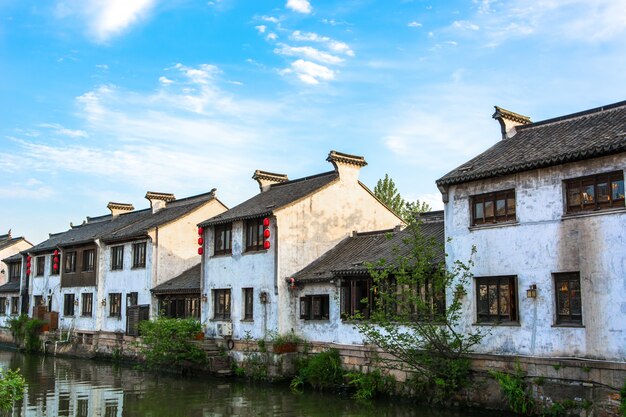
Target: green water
point(81, 388)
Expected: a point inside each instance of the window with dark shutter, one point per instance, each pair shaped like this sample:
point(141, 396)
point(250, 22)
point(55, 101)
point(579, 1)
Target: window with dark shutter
point(490, 208)
point(596, 192)
point(496, 299)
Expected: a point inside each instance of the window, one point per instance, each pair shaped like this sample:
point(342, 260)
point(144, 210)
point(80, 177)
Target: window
point(180, 306)
point(52, 270)
point(496, 299)
point(221, 304)
point(248, 303)
point(595, 192)
point(86, 304)
point(115, 305)
point(3, 306)
point(223, 236)
point(37, 301)
point(89, 260)
point(568, 298)
point(131, 299)
point(139, 255)
point(117, 257)
point(15, 270)
point(15, 306)
point(41, 264)
point(254, 235)
point(492, 208)
point(314, 307)
point(356, 298)
point(68, 305)
point(70, 262)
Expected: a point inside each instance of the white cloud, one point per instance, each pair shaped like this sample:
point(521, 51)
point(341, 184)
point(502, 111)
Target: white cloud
point(261, 28)
point(106, 18)
point(60, 130)
point(270, 19)
point(414, 24)
point(271, 36)
point(165, 81)
point(310, 72)
point(333, 45)
point(308, 52)
point(300, 6)
point(465, 25)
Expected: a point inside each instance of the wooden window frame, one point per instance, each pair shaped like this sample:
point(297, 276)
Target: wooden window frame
point(510, 213)
point(511, 296)
point(307, 307)
point(248, 303)
point(69, 257)
point(225, 233)
point(89, 266)
point(221, 304)
point(254, 235)
point(350, 301)
point(86, 304)
point(115, 304)
point(3, 306)
point(68, 304)
point(139, 255)
point(15, 306)
point(612, 180)
point(15, 271)
point(40, 265)
point(117, 258)
point(567, 279)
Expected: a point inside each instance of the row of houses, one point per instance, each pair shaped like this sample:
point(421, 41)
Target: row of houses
point(544, 208)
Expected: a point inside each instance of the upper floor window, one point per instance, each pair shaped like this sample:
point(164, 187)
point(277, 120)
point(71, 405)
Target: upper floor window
point(496, 299)
point(117, 257)
point(87, 304)
point(53, 271)
point(314, 307)
point(223, 239)
point(115, 305)
point(89, 260)
point(15, 269)
point(15, 305)
point(595, 192)
point(494, 207)
point(254, 235)
point(70, 262)
point(139, 255)
point(221, 304)
point(41, 264)
point(568, 298)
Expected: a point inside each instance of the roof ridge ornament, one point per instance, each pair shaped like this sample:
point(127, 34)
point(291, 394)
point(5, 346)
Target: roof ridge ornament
point(335, 157)
point(119, 208)
point(509, 121)
point(158, 201)
point(266, 179)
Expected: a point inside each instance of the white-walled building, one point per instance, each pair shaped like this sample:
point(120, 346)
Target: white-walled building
point(251, 249)
point(10, 246)
point(544, 208)
point(93, 273)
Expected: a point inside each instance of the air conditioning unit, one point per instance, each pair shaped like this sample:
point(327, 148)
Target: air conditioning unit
point(225, 329)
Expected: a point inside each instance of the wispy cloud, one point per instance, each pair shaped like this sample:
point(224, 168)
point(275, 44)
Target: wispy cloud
point(105, 18)
point(333, 45)
point(465, 25)
point(300, 6)
point(310, 72)
point(414, 24)
point(60, 130)
point(308, 52)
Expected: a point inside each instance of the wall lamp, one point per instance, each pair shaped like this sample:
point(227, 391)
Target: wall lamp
point(103, 302)
point(204, 298)
point(531, 292)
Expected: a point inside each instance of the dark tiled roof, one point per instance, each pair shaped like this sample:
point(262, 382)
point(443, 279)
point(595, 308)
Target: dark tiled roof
point(124, 226)
point(351, 255)
point(277, 196)
point(12, 286)
point(187, 282)
point(13, 258)
point(10, 241)
point(589, 134)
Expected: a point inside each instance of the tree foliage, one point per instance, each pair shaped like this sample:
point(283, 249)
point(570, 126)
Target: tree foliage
point(386, 191)
point(169, 342)
point(11, 388)
point(26, 332)
point(417, 308)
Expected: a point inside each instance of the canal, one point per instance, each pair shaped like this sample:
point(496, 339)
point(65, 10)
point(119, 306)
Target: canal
point(81, 388)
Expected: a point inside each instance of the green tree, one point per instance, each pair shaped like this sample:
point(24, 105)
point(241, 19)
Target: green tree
point(11, 388)
point(168, 342)
point(417, 307)
point(387, 192)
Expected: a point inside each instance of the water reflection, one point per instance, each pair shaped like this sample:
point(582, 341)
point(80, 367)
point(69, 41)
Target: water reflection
point(81, 388)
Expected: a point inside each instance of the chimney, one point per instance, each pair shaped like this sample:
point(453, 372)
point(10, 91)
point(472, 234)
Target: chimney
point(347, 166)
point(158, 201)
point(508, 121)
point(266, 179)
point(118, 208)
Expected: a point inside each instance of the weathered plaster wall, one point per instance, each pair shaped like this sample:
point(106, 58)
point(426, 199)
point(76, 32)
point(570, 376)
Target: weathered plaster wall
point(46, 285)
point(17, 247)
point(541, 243)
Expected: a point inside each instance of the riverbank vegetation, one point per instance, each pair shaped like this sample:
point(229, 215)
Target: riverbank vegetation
point(11, 388)
point(26, 332)
point(168, 342)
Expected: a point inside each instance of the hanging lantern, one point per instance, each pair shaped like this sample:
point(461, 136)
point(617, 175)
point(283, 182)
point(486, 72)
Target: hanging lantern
point(200, 251)
point(56, 259)
point(55, 266)
point(56, 252)
point(28, 258)
point(200, 230)
point(200, 241)
point(266, 222)
point(28, 271)
point(266, 233)
point(266, 244)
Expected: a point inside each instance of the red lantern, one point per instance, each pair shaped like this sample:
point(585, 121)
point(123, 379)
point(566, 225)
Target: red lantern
point(266, 233)
point(200, 251)
point(55, 266)
point(200, 241)
point(200, 230)
point(266, 221)
point(56, 252)
point(28, 258)
point(28, 271)
point(56, 259)
point(266, 244)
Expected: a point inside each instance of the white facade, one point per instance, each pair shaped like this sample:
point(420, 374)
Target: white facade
point(541, 242)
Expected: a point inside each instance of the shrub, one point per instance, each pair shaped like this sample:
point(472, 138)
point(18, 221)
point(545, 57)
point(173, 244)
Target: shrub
point(169, 342)
point(322, 371)
point(11, 388)
point(622, 406)
point(369, 385)
point(26, 332)
point(515, 390)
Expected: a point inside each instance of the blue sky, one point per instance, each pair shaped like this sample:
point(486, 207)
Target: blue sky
point(102, 100)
